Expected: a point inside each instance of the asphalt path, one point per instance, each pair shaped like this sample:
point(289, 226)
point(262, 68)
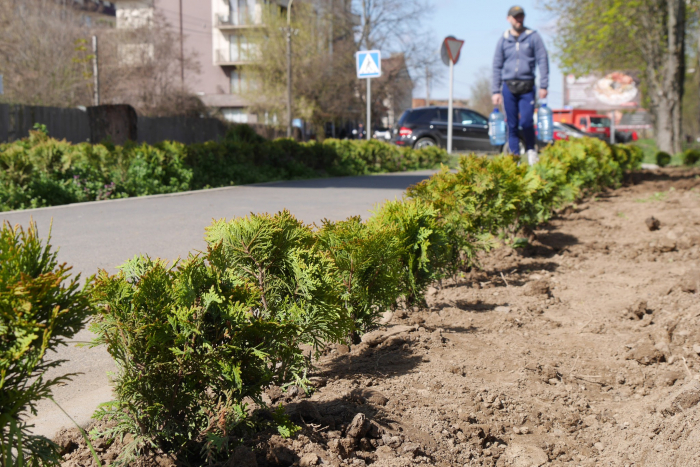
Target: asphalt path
point(103, 234)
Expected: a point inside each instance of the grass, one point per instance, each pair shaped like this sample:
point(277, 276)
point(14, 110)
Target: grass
point(650, 149)
point(658, 196)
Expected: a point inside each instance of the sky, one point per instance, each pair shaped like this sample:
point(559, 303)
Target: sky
point(480, 23)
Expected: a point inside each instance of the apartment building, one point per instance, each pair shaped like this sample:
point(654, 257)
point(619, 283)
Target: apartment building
point(213, 31)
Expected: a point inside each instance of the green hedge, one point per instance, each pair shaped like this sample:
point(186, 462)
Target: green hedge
point(39, 171)
point(41, 307)
point(193, 339)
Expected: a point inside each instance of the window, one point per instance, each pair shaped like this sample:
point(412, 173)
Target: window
point(241, 82)
point(421, 116)
point(245, 11)
point(239, 48)
point(467, 117)
point(235, 115)
point(403, 118)
point(582, 121)
point(600, 122)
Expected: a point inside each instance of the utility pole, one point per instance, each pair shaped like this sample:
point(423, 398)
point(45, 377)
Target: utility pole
point(95, 72)
point(427, 86)
point(289, 68)
point(182, 51)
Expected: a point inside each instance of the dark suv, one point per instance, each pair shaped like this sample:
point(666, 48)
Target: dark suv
point(427, 126)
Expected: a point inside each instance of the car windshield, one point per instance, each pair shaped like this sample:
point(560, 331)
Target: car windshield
point(600, 122)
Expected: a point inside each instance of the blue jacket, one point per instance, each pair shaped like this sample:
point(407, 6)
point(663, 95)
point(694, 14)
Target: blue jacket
point(516, 58)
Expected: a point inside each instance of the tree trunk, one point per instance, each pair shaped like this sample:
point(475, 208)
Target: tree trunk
point(666, 84)
point(697, 83)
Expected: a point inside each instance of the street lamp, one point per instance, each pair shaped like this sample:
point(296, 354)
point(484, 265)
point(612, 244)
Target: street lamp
point(289, 68)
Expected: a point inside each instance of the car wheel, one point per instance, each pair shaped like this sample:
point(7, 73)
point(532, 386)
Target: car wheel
point(423, 143)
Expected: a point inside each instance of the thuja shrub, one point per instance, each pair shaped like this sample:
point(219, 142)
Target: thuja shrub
point(426, 252)
point(41, 307)
point(368, 260)
point(663, 158)
point(293, 282)
point(691, 157)
point(482, 199)
point(193, 339)
point(628, 156)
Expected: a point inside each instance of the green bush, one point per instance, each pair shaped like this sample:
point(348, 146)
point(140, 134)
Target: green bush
point(426, 253)
point(691, 156)
point(663, 158)
point(482, 199)
point(39, 171)
point(193, 339)
point(368, 262)
point(41, 307)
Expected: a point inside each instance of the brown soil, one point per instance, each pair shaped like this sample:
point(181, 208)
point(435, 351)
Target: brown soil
point(579, 350)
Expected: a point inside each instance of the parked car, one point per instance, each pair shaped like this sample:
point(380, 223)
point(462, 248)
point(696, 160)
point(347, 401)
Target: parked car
point(382, 133)
point(566, 131)
point(427, 126)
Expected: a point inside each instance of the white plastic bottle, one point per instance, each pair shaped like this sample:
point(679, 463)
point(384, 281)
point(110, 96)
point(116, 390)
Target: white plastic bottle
point(497, 128)
point(545, 124)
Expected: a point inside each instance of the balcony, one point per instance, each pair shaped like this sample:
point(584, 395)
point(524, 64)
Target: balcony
point(225, 57)
point(237, 20)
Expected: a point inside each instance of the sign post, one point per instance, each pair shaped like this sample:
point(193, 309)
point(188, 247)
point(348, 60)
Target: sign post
point(451, 48)
point(369, 65)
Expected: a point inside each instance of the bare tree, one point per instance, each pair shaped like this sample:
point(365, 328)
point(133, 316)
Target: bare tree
point(46, 59)
point(142, 66)
point(43, 54)
point(398, 26)
point(324, 83)
point(480, 98)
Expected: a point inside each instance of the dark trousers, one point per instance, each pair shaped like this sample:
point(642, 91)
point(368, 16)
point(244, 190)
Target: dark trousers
point(520, 109)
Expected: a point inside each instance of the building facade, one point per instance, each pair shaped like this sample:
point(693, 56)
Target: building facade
point(213, 31)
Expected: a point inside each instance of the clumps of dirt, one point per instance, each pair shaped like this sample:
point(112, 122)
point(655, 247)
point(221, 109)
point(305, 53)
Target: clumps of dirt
point(75, 452)
point(583, 351)
point(690, 282)
point(535, 288)
point(653, 223)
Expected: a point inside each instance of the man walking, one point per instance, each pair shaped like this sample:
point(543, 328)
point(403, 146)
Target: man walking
point(518, 51)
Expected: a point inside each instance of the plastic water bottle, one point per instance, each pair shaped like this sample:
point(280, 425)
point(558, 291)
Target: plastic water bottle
point(545, 124)
point(497, 128)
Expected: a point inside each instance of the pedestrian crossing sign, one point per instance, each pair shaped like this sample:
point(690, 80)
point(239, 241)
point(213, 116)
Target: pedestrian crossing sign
point(369, 64)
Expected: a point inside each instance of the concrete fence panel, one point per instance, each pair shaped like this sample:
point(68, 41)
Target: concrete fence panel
point(117, 123)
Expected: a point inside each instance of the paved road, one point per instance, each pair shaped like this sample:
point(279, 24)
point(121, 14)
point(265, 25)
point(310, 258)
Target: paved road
point(104, 234)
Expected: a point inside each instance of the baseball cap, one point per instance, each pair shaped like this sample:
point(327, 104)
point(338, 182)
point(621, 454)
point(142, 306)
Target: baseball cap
point(516, 10)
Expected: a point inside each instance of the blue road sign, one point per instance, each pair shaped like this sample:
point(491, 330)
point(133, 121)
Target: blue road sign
point(369, 64)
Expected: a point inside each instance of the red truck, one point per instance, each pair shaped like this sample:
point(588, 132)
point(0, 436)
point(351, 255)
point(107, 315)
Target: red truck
point(592, 123)
point(588, 121)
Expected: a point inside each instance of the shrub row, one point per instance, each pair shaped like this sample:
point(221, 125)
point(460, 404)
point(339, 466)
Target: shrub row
point(39, 171)
point(689, 157)
point(41, 307)
point(196, 339)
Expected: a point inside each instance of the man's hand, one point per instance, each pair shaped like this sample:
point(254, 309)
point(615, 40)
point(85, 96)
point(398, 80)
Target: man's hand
point(543, 93)
point(497, 99)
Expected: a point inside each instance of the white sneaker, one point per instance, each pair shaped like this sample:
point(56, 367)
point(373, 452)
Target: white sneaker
point(532, 157)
